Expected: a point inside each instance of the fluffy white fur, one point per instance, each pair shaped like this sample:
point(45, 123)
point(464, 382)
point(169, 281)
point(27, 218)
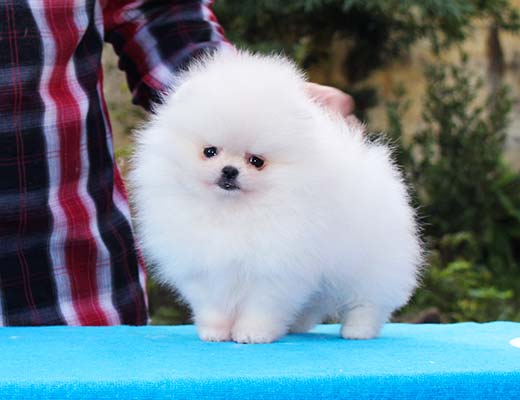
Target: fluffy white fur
point(324, 230)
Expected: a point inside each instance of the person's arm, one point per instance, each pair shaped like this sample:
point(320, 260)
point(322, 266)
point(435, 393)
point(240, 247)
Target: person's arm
point(155, 38)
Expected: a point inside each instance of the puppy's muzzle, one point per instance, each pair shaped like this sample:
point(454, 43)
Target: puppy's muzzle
point(228, 178)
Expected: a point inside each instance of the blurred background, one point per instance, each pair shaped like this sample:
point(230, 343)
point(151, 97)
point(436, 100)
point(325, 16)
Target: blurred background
point(438, 79)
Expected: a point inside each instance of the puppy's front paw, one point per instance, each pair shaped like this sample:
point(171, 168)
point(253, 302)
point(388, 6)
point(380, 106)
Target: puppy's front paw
point(363, 322)
point(359, 331)
point(213, 326)
point(256, 331)
point(251, 337)
point(214, 334)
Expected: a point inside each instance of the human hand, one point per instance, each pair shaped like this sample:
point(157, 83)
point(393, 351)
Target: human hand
point(332, 98)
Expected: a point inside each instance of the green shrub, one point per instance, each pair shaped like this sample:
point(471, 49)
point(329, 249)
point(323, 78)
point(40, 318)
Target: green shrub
point(468, 198)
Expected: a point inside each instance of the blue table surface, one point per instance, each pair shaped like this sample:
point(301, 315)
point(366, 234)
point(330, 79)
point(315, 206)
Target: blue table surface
point(466, 360)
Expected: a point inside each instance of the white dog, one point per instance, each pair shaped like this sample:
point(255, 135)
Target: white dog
point(265, 212)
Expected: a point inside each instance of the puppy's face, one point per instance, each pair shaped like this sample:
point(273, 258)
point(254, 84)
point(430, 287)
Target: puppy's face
point(231, 137)
point(234, 131)
point(223, 160)
point(230, 171)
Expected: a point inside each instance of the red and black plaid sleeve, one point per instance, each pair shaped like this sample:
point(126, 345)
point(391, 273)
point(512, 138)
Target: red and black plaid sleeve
point(154, 38)
point(67, 248)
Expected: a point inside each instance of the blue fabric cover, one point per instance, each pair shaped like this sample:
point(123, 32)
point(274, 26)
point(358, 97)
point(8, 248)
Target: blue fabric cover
point(458, 361)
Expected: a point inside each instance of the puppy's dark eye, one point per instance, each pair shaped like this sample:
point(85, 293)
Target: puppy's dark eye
point(210, 152)
point(256, 162)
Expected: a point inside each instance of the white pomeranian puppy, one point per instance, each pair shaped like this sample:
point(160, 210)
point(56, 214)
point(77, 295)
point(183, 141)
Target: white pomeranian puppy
point(267, 213)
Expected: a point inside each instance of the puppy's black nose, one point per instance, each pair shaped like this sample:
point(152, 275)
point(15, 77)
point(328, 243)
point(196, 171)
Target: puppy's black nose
point(229, 172)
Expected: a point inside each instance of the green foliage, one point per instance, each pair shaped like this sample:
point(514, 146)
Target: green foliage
point(469, 198)
point(165, 307)
point(463, 290)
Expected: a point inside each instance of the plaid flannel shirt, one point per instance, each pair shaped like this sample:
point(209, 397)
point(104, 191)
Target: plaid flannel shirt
point(67, 251)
